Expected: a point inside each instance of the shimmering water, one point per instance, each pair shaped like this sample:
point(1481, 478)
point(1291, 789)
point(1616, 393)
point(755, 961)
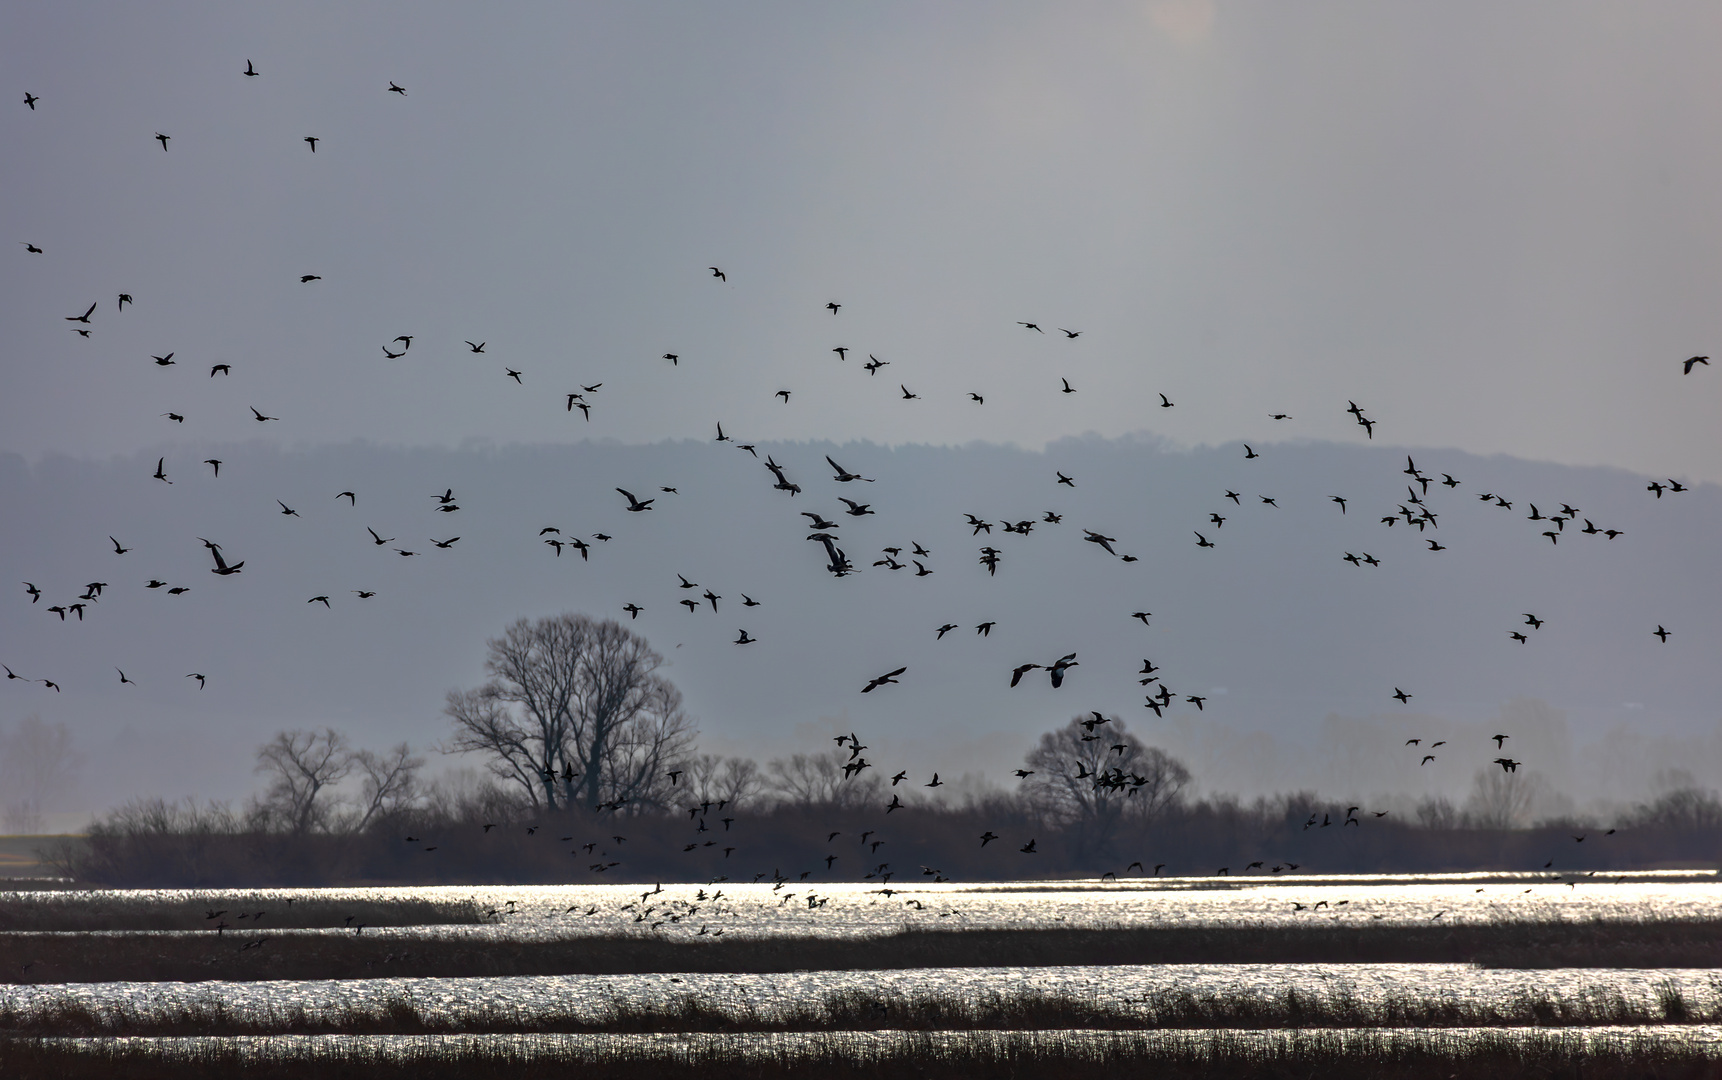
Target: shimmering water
point(764, 909)
point(857, 910)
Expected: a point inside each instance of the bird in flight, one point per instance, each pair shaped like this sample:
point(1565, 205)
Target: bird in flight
point(1401, 695)
point(744, 639)
point(1661, 634)
point(1068, 389)
point(719, 274)
point(513, 374)
point(220, 369)
point(833, 306)
point(84, 318)
point(1705, 360)
point(477, 348)
point(844, 475)
point(250, 72)
point(1165, 402)
point(906, 395)
point(30, 100)
point(306, 279)
point(635, 505)
point(199, 677)
point(163, 140)
point(1030, 326)
point(160, 471)
point(313, 141)
point(890, 677)
point(260, 417)
point(221, 567)
point(394, 89)
point(31, 248)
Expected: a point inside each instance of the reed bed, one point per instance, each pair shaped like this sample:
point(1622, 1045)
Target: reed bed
point(858, 1010)
point(1053, 1055)
point(253, 955)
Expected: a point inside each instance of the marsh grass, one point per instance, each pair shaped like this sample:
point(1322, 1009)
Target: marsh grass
point(1053, 1055)
point(111, 957)
point(862, 1010)
point(66, 911)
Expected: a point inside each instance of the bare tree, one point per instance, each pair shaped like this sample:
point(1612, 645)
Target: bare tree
point(819, 780)
point(715, 779)
point(1502, 800)
point(1094, 777)
point(575, 713)
point(37, 762)
point(389, 781)
point(301, 764)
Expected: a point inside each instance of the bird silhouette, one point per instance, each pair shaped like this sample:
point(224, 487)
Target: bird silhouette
point(1686, 368)
point(250, 71)
point(890, 677)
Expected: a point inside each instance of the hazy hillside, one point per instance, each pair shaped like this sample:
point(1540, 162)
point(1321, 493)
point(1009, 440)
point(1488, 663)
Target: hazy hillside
point(1280, 635)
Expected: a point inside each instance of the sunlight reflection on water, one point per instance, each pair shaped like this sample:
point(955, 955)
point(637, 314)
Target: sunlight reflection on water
point(860, 909)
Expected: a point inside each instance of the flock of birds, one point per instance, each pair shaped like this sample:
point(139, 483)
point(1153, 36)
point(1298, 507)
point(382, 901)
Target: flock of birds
point(1415, 511)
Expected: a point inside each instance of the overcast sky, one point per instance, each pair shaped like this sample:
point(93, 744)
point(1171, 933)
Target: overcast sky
point(1493, 227)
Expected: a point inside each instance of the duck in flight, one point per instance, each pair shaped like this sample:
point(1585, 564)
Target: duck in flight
point(635, 505)
point(890, 677)
point(221, 567)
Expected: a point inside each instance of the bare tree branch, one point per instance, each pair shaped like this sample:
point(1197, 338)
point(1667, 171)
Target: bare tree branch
point(301, 764)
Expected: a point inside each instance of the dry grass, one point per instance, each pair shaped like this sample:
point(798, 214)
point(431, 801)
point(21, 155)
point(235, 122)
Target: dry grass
point(1332, 1055)
point(192, 957)
point(860, 1010)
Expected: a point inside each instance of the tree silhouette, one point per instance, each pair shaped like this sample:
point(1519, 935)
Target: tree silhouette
point(1094, 778)
point(575, 714)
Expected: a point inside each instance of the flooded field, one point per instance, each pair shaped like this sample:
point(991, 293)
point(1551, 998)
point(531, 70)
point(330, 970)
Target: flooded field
point(850, 910)
point(491, 1006)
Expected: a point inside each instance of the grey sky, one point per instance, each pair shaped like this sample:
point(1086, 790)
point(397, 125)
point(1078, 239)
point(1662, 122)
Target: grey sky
point(1493, 227)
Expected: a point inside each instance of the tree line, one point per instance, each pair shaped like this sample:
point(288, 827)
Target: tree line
point(577, 732)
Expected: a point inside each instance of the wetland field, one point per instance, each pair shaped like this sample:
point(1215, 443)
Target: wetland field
point(1401, 975)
